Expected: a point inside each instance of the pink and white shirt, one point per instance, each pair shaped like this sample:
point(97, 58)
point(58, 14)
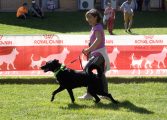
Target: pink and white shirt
point(109, 12)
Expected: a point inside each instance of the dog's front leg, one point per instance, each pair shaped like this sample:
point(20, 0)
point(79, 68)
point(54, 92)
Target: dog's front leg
point(56, 91)
point(71, 95)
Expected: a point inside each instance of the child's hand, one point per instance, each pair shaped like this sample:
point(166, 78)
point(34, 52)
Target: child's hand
point(85, 51)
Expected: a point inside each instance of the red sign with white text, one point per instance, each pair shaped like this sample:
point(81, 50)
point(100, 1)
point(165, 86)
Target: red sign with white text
point(129, 55)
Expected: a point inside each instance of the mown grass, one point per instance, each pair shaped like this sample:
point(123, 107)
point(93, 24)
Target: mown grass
point(142, 101)
point(74, 23)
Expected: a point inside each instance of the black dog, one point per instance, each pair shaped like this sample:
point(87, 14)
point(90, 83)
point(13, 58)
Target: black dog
point(70, 79)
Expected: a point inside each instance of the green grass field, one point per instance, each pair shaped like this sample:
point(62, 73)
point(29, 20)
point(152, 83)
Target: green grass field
point(74, 23)
point(28, 98)
point(138, 101)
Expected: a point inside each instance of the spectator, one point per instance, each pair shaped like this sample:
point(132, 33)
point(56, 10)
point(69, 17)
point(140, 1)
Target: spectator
point(22, 11)
point(96, 50)
point(139, 5)
point(134, 4)
point(35, 10)
point(146, 4)
point(51, 5)
point(106, 2)
point(109, 16)
point(128, 15)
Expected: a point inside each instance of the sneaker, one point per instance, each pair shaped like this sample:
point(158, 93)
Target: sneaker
point(86, 96)
point(111, 33)
point(104, 97)
point(129, 30)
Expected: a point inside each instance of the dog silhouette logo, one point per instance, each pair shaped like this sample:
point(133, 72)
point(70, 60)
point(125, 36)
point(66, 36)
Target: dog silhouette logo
point(1, 36)
point(36, 63)
point(159, 58)
point(113, 55)
point(136, 63)
point(9, 58)
point(60, 56)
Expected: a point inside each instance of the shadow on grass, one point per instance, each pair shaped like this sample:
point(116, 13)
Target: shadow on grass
point(52, 80)
point(55, 22)
point(28, 80)
point(132, 33)
point(125, 104)
point(118, 80)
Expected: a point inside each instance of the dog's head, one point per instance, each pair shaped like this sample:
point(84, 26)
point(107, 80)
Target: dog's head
point(51, 65)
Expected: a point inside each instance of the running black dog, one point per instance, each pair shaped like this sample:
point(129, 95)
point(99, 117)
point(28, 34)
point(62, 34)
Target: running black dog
point(70, 79)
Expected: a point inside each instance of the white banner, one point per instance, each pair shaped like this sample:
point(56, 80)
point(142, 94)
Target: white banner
point(130, 55)
point(63, 39)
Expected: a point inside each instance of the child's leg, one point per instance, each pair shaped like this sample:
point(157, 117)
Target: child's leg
point(99, 62)
point(110, 25)
point(126, 25)
point(105, 83)
point(22, 17)
point(126, 21)
point(87, 95)
point(130, 22)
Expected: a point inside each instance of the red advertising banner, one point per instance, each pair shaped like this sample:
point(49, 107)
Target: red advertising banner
point(131, 55)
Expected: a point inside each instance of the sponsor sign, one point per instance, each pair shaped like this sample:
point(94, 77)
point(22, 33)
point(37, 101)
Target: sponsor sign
point(130, 55)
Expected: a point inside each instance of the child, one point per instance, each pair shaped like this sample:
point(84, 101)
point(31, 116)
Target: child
point(35, 10)
point(96, 51)
point(128, 15)
point(110, 17)
point(22, 11)
point(51, 5)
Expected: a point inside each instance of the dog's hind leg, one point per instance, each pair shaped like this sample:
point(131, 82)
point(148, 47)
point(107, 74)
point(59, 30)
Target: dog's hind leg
point(71, 95)
point(57, 91)
point(111, 98)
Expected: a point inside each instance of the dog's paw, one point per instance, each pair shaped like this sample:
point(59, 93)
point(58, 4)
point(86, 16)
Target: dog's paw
point(52, 99)
point(115, 102)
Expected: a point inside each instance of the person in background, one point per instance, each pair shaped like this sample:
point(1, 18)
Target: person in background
point(139, 5)
point(128, 15)
point(146, 4)
point(51, 5)
point(22, 11)
point(109, 14)
point(96, 51)
point(35, 10)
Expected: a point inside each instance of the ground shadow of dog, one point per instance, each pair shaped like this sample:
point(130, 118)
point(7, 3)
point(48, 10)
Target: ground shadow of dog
point(124, 104)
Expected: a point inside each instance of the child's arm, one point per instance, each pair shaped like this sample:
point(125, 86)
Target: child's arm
point(121, 7)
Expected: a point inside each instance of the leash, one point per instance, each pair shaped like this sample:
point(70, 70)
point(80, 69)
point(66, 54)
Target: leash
point(78, 58)
point(62, 67)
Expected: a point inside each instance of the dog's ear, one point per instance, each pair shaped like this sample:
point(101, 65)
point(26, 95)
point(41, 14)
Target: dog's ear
point(55, 60)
